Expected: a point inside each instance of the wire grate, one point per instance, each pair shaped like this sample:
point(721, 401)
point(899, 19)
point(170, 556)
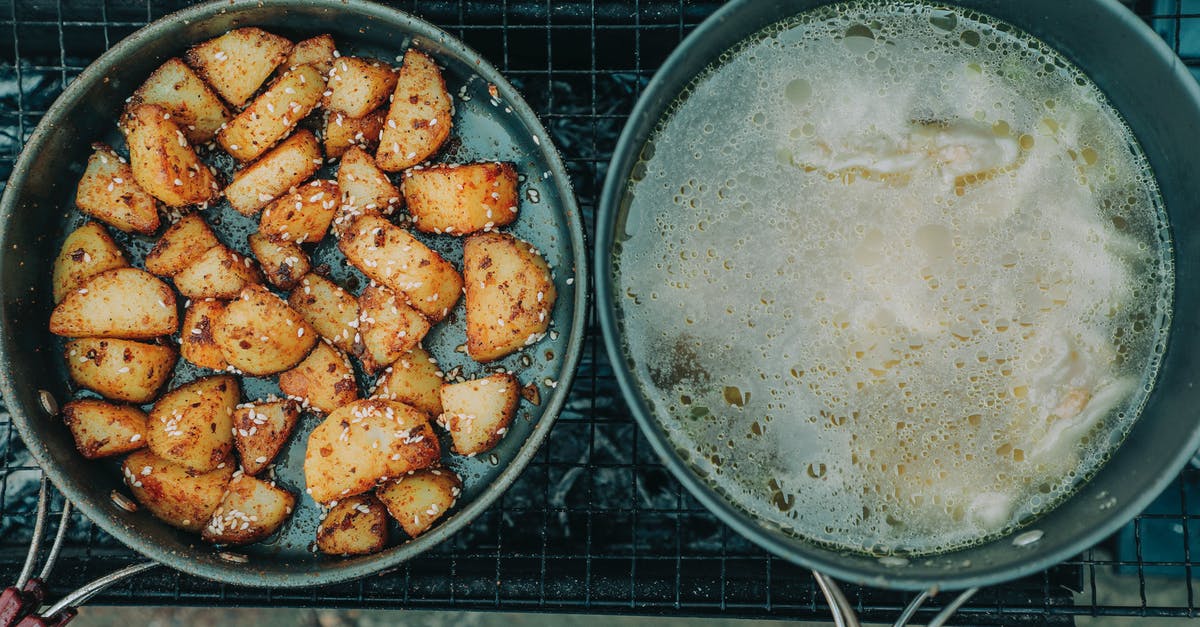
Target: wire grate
point(595, 524)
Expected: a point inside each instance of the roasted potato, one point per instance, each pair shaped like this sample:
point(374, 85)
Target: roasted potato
point(363, 443)
point(331, 310)
point(87, 251)
point(261, 429)
point(260, 335)
point(194, 107)
point(163, 161)
point(180, 497)
point(418, 500)
point(418, 121)
point(355, 526)
point(192, 425)
point(342, 132)
point(461, 199)
point(196, 342)
point(273, 114)
point(389, 328)
point(414, 379)
point(284, 167)
point(510, 295)
point(315, 51)
point(102, 429)
point(237, 63)
point(303, 215)
point(123, 302)
point(357, 86)
point(324, 381)
point(120, 369)
point(391, 256)
point(217, 273)
point(180, 245)
point(109, 193)
point(283, 263)
point(364, 186)
point(477, 413)
point(250, 510)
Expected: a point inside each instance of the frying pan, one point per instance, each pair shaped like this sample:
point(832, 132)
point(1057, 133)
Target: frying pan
point(1160, 101)
point(491, 122)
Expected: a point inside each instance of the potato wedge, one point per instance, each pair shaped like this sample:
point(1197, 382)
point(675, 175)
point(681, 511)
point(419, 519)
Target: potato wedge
point(123, 302)
point(260, 335)
point(121, 370)
point(87, 251)
point(363, 443)
point(261, 430)
point(331, 310)
point(109, 193)
point(364, 186)
point(355, 526)
point(284, 167)
point(414, 379)
point(196, 342)
point(477, 413)
point(103, 429)
point(194, 107)
point(273, 114)
point(179, 497)
point(510, 295)
point(283, 263)
point(192, 425)
point(342, 132)
point(392, 257)
point(217, 273)
point(389, 328)
point(357, 86)
point(163, 161)
point(461, 199)
point(180, 245)
point(315, 51)
point(418, 500)
point(418, 120)
point(250, 510)
point(237, 63)
point(324, 381)
point(302, 215)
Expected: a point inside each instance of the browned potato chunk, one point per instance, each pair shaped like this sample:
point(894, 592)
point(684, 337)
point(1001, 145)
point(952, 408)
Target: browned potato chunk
point(180, 245)
point(273, 114)
point(315, 51)
point(194, 107)
point(179, 497)
point(331, 310)
point(414, 379)
point(102, 429)
point(418, 500)
point(303, 215)
point(364, 186)
point(389, 327)
point(342, 132)
point(355, 526)
point(237, 63)
point(510, 295)
point(87, 251)
point(217, 273)
point(250, 510)
point(109, 193)
point(391, 256)
point(192, 425)
point(283, 263)
point(120, 369)
point(284, 167)
point(261, 430)
point(418, 121)
point(462, 199)
point(260, 335)
point(358, 86)
point(323, 381)
point(363, 443)
point(196, 342)
point(477, 413)
point(163, 161)
point(123, 302)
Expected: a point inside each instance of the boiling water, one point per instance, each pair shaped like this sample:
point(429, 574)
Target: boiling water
point(896, 278)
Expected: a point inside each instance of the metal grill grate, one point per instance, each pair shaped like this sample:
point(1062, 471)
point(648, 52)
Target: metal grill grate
point(595, 524)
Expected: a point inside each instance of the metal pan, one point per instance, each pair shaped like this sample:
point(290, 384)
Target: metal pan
point(491, 122)
point(1160, 101)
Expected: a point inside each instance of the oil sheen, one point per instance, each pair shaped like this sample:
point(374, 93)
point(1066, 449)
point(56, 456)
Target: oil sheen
point(895, 278)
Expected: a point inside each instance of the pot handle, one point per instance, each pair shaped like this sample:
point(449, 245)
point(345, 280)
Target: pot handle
point(845, 616)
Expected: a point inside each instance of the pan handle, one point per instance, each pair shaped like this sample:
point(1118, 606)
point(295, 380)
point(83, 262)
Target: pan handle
point(845, 616)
